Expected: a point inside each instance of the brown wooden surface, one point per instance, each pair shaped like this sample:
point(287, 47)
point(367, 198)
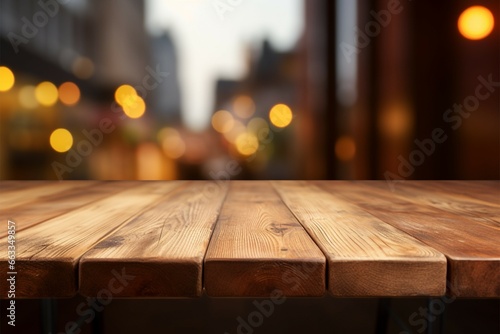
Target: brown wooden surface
point(426, 194)
point(366, 256)
point(48, 253)
point(471, 247)
point(259, 247)
point(25, 195)
point(178, 238)
point(163, 248)
point(488, 191)
point(53, 205)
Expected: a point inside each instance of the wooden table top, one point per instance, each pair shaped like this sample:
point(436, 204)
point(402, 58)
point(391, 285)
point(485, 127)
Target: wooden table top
point(164, 239)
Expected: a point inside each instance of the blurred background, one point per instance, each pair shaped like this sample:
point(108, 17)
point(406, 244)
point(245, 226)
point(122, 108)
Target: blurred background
point(240, 89)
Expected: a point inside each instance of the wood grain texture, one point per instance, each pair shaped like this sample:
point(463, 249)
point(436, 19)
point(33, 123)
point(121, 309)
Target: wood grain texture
point(488, 191)
point(366, 256)
point(268, 236)
point(424, 193)
point(50, 206)
point(471, 247)
point(48, 253)
point(163, 248)
point(21, 196)
point(258, 248)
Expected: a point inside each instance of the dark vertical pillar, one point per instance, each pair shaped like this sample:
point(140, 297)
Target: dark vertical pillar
point(434, 36)
point(373, 94)
point(331, 128)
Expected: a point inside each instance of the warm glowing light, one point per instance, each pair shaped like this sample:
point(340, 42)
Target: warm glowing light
point(61, 140)
point(396, 121)
point(247, 143)
point(124, 93)
point(7, 79)
point(46, 93)
point(237, 129)
point(69, 93)
point(476, 22)
point(222, 121)
point(150, 162)
point(244, 107)
point(281, 115)
point(345, 148)
point(27, 98)
point(83, 68)
point(257, 125)
point(172, 143)
point(134, 107)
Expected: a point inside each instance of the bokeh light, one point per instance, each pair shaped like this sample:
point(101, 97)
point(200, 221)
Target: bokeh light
point(27, 98)
point(237, 129)
point(61, 140)
point(46, 93)
point(345, 148)
point(222, 121)
point(476, 22)
point(150, 162)
point(7, 79)
point(134, 107)
point(69, 93)
point(172, 143)
point(83, 68)
point(123, 93)
point(280, 115)
point(396, 121)
point(256, 125)
point(247, 143)
point(244, 107)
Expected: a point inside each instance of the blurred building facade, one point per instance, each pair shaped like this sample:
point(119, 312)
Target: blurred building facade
point(368, 86)
point(272, 78)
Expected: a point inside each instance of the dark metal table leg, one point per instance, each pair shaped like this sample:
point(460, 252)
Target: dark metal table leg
point(437, 324)
point(382, 315)
point(48, 313)
point(97, 323)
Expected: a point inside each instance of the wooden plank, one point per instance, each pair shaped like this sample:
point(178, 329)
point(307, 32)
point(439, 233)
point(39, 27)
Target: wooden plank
point(51, 206)
point(163, 248)
point(422, 193)
point(259, 247)
point(48, 253)
point(488, 191)
point(21, 196)
point(8, 185)
point(366, 256)
point(471, 248)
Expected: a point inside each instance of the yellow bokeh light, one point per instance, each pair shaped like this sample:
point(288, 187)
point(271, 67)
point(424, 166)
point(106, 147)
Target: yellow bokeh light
point(172, 143)
point(244, 107)
point(27, 97)
point(69, 93)
point(149, 161)
point(256, 125)
point(46, 94)
point(345, 148)
point(476, 22)
point(281, 115)
point(61, 140)
point(237, 129)
point(247, 143)
point(167, 132)
point(124, 93)
point(222, 121)
point(134, 107)
point(7, 79)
